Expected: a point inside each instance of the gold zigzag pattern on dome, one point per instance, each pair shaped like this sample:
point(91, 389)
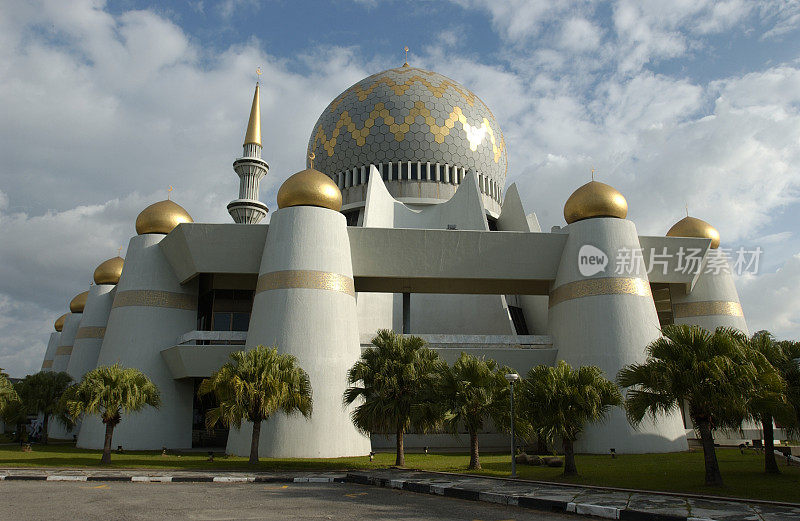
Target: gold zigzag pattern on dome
point(400, 88)
point(474, 134)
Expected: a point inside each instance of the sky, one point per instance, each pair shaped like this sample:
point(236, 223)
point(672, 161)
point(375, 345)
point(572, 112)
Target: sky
point(104, 105)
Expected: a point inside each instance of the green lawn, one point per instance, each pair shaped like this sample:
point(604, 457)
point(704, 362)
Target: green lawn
point(681, 472)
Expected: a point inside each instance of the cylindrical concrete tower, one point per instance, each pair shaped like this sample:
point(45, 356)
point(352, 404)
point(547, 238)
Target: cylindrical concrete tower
point(602, 313)
point(305, 305)
point(150, 310)
point(251, 169)
point(89, 337)
point(70, 328)
point(52, 344)
point(713, 301)
point(64, 352)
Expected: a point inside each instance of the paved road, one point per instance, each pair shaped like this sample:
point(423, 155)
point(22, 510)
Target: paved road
point(23, 500)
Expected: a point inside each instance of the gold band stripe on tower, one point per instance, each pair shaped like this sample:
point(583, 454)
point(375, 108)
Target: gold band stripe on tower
point(90, 332)
point(306, 279)
point(601, 286)
point(711, 307)
point(155, 299)
point(63, 350)
point(47, 364)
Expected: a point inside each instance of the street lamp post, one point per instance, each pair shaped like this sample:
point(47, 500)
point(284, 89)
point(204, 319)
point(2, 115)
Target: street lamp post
point(512, 378)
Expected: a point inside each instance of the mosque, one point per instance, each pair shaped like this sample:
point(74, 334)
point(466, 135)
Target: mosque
point(402, 220)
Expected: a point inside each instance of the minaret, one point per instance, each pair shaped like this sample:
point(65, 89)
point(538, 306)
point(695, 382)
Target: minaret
point(250, 168)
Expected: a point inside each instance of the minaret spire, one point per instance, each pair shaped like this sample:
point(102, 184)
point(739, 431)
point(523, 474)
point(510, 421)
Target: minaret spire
point(253, 135)
point(250, 168)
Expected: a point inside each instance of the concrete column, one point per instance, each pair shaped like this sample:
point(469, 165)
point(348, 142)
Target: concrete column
point(713, 302)
point(65, 341)
point(50, 353)
point(60, 362)
point(607, 319)
point(406, 313)
point(305, 305)
point(91, 331)
point(151, 309)
point(428, 171)
point(438, 173)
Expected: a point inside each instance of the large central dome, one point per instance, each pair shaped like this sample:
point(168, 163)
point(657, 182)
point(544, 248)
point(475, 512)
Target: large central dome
point(407, 118)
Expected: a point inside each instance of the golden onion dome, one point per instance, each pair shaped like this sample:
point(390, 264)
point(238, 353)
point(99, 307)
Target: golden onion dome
point(59, 325)
point(694, 227)
point(595, 199)
point(77, 304)
point(161, 217)
point(109, 271)
point(310, 188)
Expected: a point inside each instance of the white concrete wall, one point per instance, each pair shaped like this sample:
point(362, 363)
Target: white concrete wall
point(66, 341)
point(86, 349)
point(609, 331)
point(711, 287)
point(50, 352)
point(135, 336)
point(431, 313)
point(318, 326)
point(60, 362)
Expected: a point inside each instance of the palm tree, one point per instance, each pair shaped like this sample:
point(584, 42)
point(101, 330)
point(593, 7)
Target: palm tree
point(711, 372)
point(394, 381)
point(108, 391)
point(773, 399)
point(42, 393)
point(560, 401)
point(8, 394)
point(255, 385)
point(473, 390)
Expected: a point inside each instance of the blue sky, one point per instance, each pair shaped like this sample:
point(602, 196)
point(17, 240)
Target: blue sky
point(105, 104)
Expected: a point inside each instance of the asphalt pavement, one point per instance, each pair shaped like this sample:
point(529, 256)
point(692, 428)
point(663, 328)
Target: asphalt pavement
point(119, 500)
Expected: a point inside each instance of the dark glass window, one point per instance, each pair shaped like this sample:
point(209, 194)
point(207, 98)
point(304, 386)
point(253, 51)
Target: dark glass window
point(518, 317)
point(241, 322)
point(222, 322)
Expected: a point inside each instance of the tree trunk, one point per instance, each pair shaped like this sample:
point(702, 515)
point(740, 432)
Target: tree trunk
point(400, 460)
point(254, 443)
point(541, 445)
point(474, 457)
point(107, 445)
point(569, 459)
point(713, 475)
point(45, 424)
point(770, 465)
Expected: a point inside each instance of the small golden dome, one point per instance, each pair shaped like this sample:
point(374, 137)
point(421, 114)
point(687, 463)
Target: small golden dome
point(595, 199)
point(59, 325)
point(310, 188)
point(161, 217)
point(109, 271)
point(694, 227)
point(79, 302)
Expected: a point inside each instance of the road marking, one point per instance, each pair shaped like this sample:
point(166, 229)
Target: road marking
point(277, 488)
point(97, 487)
point(356, 494)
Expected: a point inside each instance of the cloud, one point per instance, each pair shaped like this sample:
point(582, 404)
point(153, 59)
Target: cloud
point(770, 301)
point(102, 112)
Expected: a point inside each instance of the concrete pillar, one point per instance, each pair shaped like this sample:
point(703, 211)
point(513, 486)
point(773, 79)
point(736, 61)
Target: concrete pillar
point(92, 329)
point(65, 341)
point(305, 305)
point(151, 309)
point(607, 319)
point(713, 302)
point(406, 313)
point(50, 353)
point(60, 363)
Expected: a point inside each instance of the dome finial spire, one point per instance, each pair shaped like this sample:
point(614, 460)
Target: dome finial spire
point(405, 61)
point(253, 135)
point(311, 157)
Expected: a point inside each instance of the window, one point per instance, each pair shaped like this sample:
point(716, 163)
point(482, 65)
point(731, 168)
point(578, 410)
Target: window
point(518, 317)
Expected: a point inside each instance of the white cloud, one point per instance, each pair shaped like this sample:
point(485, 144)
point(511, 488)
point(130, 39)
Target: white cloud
point(771, 301)
point(580, 35)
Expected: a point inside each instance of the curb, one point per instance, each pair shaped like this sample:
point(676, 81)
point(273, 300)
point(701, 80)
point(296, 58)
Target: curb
point(173, 479)
point(523, 501)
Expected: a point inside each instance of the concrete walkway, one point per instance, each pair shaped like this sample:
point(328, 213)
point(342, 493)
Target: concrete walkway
point(592, 501)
